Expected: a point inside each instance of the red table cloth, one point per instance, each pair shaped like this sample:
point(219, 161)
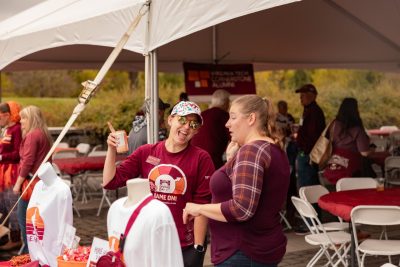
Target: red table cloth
point(341, 203)
point(73, 166)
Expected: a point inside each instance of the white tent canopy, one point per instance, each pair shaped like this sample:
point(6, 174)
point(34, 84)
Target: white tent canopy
point(308, 34)
point(54, 23)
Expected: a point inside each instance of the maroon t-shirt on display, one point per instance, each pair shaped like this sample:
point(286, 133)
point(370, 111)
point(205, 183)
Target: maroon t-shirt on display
point(175, 179)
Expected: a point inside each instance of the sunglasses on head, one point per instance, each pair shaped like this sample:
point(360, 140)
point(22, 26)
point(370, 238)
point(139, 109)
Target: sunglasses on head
point(192, 123)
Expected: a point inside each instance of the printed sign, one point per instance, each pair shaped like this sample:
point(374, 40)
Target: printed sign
point(99, 248)
point(68, 238)
point(204, 79)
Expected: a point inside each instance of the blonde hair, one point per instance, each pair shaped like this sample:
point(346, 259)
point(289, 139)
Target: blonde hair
point(265, 113)
point(35, 121)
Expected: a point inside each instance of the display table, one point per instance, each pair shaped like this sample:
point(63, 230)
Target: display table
point(74, 166)
point(341, 203)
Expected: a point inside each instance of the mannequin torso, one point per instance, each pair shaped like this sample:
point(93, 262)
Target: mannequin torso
point(137, 189)
point(47, 174)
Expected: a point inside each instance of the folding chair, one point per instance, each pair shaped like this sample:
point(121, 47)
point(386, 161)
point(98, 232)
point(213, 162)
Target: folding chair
point(392, 170)
point(311, 194)
point(350, 183)
point(375, 215)
point(83, 148)
point(320, 237)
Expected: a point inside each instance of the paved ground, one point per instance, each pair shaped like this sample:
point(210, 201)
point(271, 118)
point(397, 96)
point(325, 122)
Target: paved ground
point(298, 251)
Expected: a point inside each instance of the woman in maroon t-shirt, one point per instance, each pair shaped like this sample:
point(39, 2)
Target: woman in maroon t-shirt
point(249, 191)
point(349, 143)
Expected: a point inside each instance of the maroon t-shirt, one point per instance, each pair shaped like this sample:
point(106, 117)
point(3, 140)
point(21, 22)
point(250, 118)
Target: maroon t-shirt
point(34, 148)
point(260, 169)
point(10, 144)
point(213, 136)
point(175, 179)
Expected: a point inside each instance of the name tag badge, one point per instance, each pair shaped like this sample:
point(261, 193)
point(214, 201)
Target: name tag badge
point(301, 122)
point(153, 160)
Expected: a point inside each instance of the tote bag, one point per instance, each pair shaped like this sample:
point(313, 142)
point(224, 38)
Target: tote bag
point(322, 150)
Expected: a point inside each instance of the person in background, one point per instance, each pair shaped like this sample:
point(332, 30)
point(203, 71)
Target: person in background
point(138, 133)
point(213, 136)
point(178, 173)
point(10, 142)
point(248, 191)
point(350, 143)
point(285, 122)
point(36, 143)
point(312, 124)
point(183, 97)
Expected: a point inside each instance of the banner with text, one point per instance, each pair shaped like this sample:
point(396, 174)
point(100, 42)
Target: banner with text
point(204, 79)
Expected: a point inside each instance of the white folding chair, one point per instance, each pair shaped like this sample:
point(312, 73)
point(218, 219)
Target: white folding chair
point(381, 143)
point(63, 145)
point(394, 139)
point(83, 148)
point(392, 170)
point(353, 183)
point(338, 241)
point(375, 215)
point(311, 194)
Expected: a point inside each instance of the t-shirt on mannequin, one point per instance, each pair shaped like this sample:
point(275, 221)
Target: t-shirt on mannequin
point(153, 239)
point(49, 210)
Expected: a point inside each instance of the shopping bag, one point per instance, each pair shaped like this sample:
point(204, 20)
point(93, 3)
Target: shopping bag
point(322, 150)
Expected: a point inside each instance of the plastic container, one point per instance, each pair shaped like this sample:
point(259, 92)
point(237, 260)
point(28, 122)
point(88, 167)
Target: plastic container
point(122, 141)
point(63, 263)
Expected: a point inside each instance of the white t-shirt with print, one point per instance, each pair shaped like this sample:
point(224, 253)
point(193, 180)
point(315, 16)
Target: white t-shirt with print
point(152, 240)
point(49, 210)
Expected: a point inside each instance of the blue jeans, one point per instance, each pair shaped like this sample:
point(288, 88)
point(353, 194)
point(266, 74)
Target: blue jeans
point(22, 207)
point(240, 260)
point(307, 174)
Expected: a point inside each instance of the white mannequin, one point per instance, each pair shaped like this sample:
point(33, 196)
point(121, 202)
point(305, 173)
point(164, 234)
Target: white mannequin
point(137, 189)
point(47, 174)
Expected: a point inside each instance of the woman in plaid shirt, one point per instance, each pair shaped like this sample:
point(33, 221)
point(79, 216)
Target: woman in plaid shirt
point(248, 191)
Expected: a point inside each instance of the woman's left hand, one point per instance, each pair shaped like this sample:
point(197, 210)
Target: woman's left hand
point(17, 188)
point(191, 210)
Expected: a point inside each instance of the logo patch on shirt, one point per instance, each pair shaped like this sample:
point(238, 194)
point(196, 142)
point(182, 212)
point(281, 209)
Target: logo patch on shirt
point(167, 182)
point(153, 160)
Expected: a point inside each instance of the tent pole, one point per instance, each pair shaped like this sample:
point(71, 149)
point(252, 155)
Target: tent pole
point(214, 44)
point(147, 94)
point(1, 88)
point(154, 89)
